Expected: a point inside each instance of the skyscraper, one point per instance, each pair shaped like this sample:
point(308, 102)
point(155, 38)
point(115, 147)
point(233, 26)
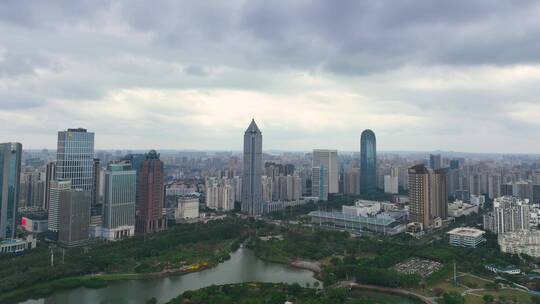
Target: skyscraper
point(95, 179)
point(50, 174)
point(56, 191)
point(435, 161)
point(119, 201)
point(75, 158)
point(428, 198)
point(368, 162)
point(10, 176)
point(327, 162)
point(151, 199)
point(251, 180)
point(74, 217)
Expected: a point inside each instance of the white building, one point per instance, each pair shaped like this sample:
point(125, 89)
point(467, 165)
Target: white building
point(466, 237)
point(17, 245)
point(188, 208)
point(521, 242)
point(478, 200)
point(459, 208)
point(509, 214)
point(119, 201)
point(363, 208)
point(391, 184)
point(220, 193)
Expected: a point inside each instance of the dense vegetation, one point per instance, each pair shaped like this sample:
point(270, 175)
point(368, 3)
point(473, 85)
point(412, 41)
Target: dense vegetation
point(268, 293)
point(178, 246)
point(369, 259)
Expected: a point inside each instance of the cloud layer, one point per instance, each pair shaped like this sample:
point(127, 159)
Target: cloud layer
point(424, 75)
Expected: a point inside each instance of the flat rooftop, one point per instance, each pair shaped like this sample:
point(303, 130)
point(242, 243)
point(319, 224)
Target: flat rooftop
point(466, 231)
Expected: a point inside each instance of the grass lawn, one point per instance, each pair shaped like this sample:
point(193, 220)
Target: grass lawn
point(519, 296)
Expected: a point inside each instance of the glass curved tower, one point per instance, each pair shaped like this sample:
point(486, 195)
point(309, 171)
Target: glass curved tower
point(368, 162)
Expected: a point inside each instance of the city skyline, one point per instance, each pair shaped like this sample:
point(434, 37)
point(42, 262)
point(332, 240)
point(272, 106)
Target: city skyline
point(159, 77)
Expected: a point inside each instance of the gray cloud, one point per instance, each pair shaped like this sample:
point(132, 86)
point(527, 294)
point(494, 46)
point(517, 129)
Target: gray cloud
point(421, 68)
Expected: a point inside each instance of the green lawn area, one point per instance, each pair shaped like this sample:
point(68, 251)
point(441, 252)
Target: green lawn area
point(519, 296)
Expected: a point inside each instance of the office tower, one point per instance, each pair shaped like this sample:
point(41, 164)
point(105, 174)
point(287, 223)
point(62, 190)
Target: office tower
point(56, 192)
point(119, 201)
point(319, 183)
point(50, 174)
point(96, 181)
point(74, 217)
point(435, 161)
point(150, 202)
point(327, 161)
point(75, 158)
point(454, 164)
point(136, 161)
point(474, 184)
point(10, 176)
point(428, 201)
point(510, 214)
point(368, 162)
point(251, 180)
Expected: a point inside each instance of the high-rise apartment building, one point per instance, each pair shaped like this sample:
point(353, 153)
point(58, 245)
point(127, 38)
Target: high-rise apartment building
point(327, 162)
point(150, 202)
point(10, 176)
point(368, 162)
point(75, 158)
point(428, 200)
point(253, 166)
point(509, 214)
point(74, 217)
point(119, 201)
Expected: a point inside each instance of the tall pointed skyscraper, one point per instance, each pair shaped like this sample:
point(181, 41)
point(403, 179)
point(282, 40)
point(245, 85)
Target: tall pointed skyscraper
point(368, 162)
point(251, 181)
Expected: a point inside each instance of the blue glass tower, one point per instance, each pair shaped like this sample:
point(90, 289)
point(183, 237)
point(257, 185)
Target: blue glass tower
point(368, 162)
point(10, 176)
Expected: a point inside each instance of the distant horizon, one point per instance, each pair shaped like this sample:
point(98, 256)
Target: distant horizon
point(442, 152)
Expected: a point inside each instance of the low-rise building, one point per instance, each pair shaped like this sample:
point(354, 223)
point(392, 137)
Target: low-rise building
point(355, 223)
point(35, 223)
point(521, 242)
point(459, 208)
point(511, 269)
point(17, 245)
point(466, 237)
point(187, 208)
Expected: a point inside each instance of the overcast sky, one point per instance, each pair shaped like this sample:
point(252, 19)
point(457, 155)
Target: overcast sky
point(424, 75)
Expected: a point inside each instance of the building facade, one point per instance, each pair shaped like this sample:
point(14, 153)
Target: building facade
point(50, 175)
point(150, 202)
point(10, 176)
point(252, 203)
point(75, 158)
point(368, 162)
point(428, 200)
point(119, 201)
point(74, 217)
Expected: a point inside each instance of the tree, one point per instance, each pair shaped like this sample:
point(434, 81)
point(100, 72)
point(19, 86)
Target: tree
point(453, 298)
point(488, 298)
point(535, 299)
